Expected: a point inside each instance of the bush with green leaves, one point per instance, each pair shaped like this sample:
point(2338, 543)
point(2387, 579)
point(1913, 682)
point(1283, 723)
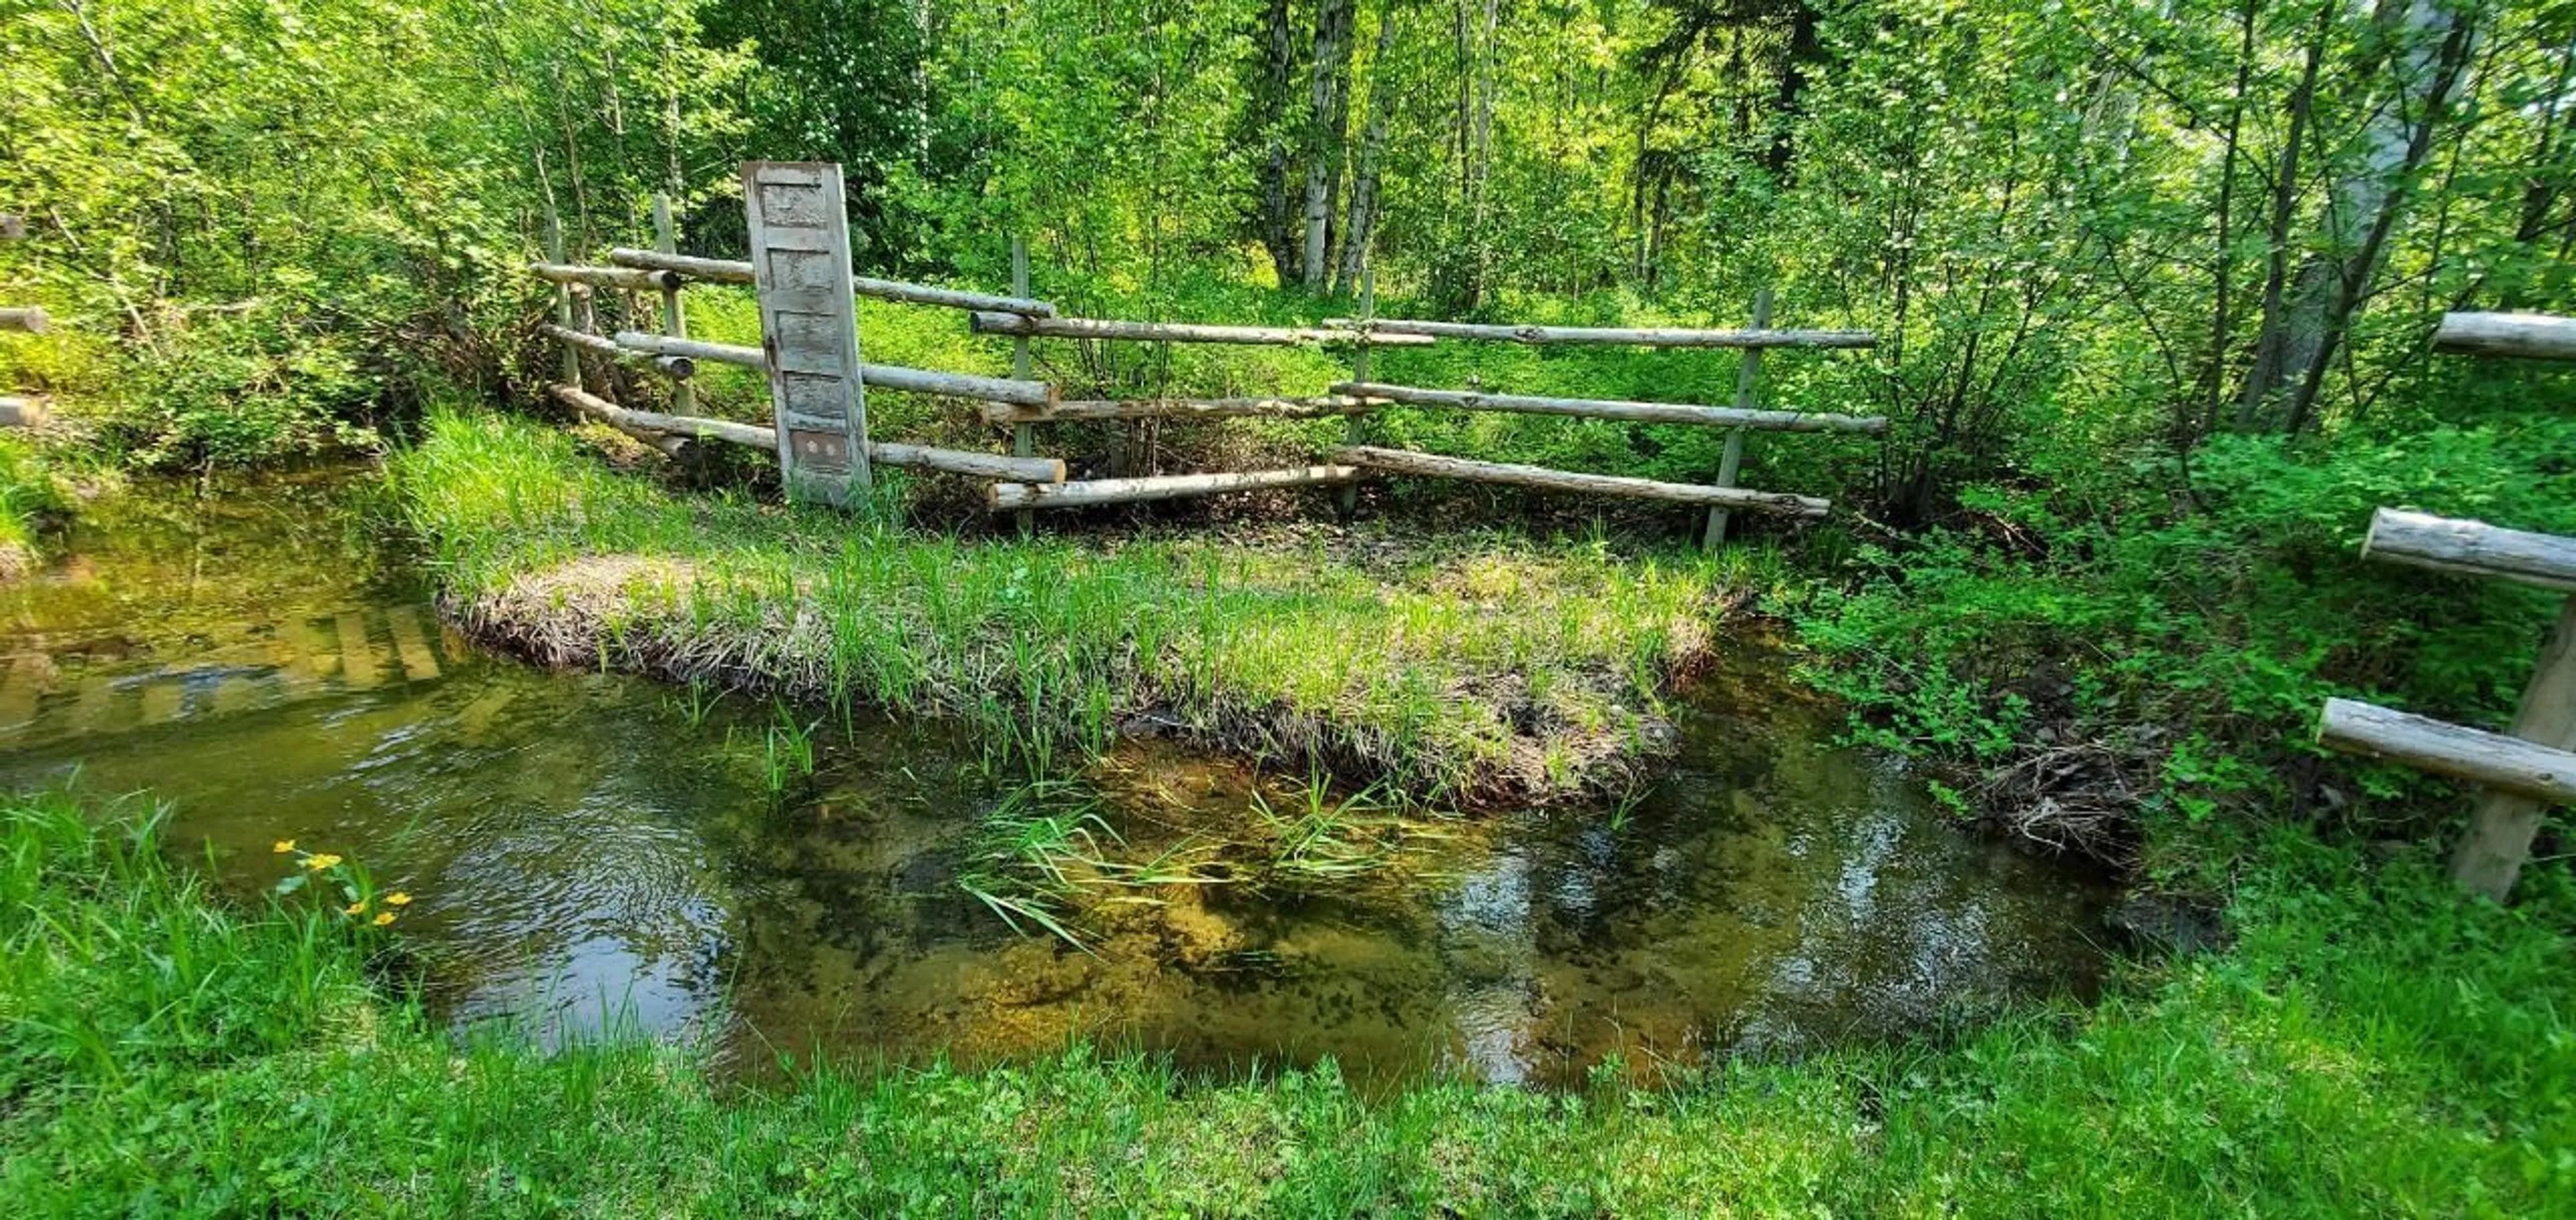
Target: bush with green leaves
point(2202, 628)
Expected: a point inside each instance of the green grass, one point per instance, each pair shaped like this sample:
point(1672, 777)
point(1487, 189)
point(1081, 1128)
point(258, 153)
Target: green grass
point(2376, 1047)
point(1481, 666)
point(26, 492)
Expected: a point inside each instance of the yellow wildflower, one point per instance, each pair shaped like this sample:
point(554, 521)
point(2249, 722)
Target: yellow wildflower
point(383, 918)
point(354, 908)
point(320, 862)
point(282, 846)
point(398, 899)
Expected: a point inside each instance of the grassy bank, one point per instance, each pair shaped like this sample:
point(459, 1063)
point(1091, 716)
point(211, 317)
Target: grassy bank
point(2380, 1048)
point(1487, 667)
point(27, 492)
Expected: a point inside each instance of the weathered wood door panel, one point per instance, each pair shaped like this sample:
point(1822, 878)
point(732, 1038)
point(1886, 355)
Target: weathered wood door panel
point(800, 257)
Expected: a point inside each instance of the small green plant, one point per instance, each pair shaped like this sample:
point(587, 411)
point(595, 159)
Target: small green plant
point(329, 873)
point(787, 750)
point(697, 701)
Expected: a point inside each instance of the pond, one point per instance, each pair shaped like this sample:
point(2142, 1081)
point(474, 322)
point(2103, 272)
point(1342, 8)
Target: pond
point(589, 847)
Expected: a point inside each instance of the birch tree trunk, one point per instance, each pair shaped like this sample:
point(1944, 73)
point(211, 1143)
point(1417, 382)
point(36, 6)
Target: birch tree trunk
point(1327, 119)
point(1277, 222)
point(2426, 45)
point(1361, 225)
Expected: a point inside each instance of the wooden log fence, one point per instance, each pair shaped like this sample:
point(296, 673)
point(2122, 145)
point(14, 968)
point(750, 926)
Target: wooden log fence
point(2492, 760)
point(1387, 331)
point(677, 368)
point(1007, 497)
point(735, 271)
point(1026, 482)
point(1096, 410)
point(2471, 548)
point(994, 323)
point(654, 426)
point(2523, 770)
point(1405, 461)
point(1033, 394)
point(792, 230)
point(2533, 335)
point(627, 278)
point(1603, 408)
point(16, 412)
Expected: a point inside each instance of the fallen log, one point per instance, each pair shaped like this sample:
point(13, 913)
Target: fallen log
point(630, 278)
point(1380, 330)
point(1404, 461)
point(1006, 497)
point(1606, 408)
point(2493, 760)
point(655, 426)
point(2536, 335)
point(1174, 332)
point(28, 318)
point(1084, 410)
point(2471, 548)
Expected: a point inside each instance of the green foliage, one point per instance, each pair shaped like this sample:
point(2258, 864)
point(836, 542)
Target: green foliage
point(2374, 1045)
point(2201, 633)
point(289, 218)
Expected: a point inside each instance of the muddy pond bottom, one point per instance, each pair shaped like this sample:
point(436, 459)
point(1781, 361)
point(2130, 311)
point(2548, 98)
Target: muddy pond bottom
point(588, 849)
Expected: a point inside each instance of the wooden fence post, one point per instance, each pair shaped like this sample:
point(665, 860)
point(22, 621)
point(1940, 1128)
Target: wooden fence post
point(569, 371)
point(675, 318)
point(1748, 373)
point(809, 325)
point(1353, 426)
point(1024, 437)
point(2491, 854)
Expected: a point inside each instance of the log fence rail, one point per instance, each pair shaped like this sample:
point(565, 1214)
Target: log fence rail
point(18, 411)
point(2532, 765)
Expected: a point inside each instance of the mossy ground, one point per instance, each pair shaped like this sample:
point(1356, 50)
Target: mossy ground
point(1481, 667)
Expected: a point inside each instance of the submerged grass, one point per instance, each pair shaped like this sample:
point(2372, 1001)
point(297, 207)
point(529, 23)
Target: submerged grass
point(2379, 1047)
point(1495, 668)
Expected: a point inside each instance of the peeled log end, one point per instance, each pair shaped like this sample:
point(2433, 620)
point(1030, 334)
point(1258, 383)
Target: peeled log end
point(2492, 760)
point(2471, 548)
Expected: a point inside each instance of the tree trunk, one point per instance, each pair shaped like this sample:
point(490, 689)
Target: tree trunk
point(1276, 223)
point(1326, 133)
point(2265, 375)
point(1361, 226)
point(2425, 44)
point(2432, 42)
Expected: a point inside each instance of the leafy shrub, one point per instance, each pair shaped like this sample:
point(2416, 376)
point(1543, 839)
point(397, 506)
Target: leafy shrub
point(2200, 630)
point(239, 387)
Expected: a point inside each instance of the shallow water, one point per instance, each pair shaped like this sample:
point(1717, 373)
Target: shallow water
point(588, 844)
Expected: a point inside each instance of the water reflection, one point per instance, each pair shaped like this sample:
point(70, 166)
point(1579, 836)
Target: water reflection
point(584, 844)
